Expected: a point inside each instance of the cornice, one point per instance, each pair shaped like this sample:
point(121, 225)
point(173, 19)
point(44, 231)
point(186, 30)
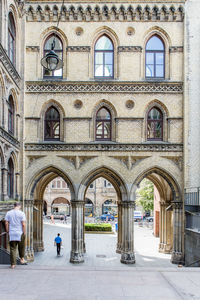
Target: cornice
point(9, 138)
point(95, 11)
point(103, 87)
point(153, 147)
point(4, 59)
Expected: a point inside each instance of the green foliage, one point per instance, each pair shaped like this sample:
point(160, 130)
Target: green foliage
point(145, 195)
point(98, 227)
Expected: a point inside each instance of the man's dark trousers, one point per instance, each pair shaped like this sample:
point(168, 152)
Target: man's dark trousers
point(58, 248)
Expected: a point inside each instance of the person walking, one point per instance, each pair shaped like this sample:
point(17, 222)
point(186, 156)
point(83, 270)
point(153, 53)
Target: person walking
point(58, 243)
point(16, 227)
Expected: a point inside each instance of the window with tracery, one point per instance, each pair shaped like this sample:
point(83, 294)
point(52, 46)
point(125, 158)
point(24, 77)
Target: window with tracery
point(104, 58)
point(52, 124)
point(10, 178)
point(155, 124)
point(11, 38)
point(10, 115)
point(103, 125)
point(155, 58)
point(58, 49)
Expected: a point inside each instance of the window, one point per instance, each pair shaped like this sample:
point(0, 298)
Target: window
point(11, 38)
point(103, 125)
point(155, 58)
point(52, 124)
point(103, 58)
point(155, 125)
point(10, 178)
point(58, 49)
point(10, 115)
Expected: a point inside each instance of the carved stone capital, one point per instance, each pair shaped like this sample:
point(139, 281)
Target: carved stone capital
point(129, 49)
point(77, 203)
point(177, 205)
point(78, 48)
point(128, 204)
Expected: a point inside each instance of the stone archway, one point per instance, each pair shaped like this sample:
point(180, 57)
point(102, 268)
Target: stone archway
point(171, 211)
point(34, 207)
point(125, 216)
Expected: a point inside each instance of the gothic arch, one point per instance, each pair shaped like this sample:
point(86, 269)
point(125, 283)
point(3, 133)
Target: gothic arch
point(165, 112)
point(104, 30)
point(110, 107)
point(160, 32)
point(52, 172)
point(61, 111)
point(109, 174)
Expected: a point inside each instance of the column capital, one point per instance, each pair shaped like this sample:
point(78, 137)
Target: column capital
point(177, 204)
point(28, 202)
point(77, 203)
point(128, 204)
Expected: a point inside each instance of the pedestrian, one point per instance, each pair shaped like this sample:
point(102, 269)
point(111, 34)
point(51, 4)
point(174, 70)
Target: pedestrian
point(52, 219)
point(16, 227)
point(65, 219)
point(58, 243)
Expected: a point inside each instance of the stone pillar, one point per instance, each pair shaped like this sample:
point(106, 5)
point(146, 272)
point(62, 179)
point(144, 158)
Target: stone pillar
point(5, 183)
point(38, 235)
point(177, 252)
point(127, 251)
point(77, 248)
point(17, 185)
point(84, 246)
point(119, 232)
point(161, 228)
point(28, 210)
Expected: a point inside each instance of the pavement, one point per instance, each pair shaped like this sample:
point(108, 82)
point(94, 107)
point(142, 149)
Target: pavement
point(101, 276)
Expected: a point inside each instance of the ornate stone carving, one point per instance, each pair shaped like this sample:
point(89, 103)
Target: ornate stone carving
point(129, 49)
point(78, 104)
point(78, 48)
point(32, 159)
point(178, 161)
point(33, 48)
point(175, 49)
point(77, 161)
point(104, 147)
point(103, 87)
point(104, 12)
point(129, 161)
point(130, 104)
point(9, 66)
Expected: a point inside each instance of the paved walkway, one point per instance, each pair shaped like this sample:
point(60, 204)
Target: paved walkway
point(52, 278)
point(101, 249)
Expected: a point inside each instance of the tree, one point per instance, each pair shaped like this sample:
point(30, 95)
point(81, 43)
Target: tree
point(145, 195)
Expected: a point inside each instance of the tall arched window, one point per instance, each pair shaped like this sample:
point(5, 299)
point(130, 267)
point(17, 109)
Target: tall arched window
point(10, 115)
point(10, 178)
point(58, 49)
point(155, 125)
point(155, 58)
point(103, 125)
point(52, 124)
point(11, 38)
point(104, 58)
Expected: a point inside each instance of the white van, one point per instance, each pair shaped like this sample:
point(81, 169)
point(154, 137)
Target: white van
point(137, 215)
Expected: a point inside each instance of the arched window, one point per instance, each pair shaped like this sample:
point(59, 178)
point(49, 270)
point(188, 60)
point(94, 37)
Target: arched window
point(155, 125)
point(11, 38)
point(155, 58)
point(10, 115)
point(104, 58)
point(52, 124)
point(10, 178)
point(103, 125)
point(58, 49)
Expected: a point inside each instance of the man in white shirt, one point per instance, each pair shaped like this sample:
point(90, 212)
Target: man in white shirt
point(16, 227)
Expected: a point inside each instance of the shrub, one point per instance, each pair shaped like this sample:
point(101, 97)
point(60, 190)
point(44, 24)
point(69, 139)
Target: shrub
point(98, 227)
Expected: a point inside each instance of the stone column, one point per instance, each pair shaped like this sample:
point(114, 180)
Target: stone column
point(77, 248)
point(84, 246)
point(161, 228)
point(38, 242)
point(16, 185)
point(119, 232)
point(5, 183)
point(28, 210)
point(127, 251)
point(177, 252)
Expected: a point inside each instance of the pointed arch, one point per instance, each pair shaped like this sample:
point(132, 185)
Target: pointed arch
point(110, 123)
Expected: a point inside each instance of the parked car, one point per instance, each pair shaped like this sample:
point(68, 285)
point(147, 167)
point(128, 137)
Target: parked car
point(137, 215)
point(107, 217)
point(149, 219)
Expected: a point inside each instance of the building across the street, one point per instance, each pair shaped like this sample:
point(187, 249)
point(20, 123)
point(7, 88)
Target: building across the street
point(116, 99)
